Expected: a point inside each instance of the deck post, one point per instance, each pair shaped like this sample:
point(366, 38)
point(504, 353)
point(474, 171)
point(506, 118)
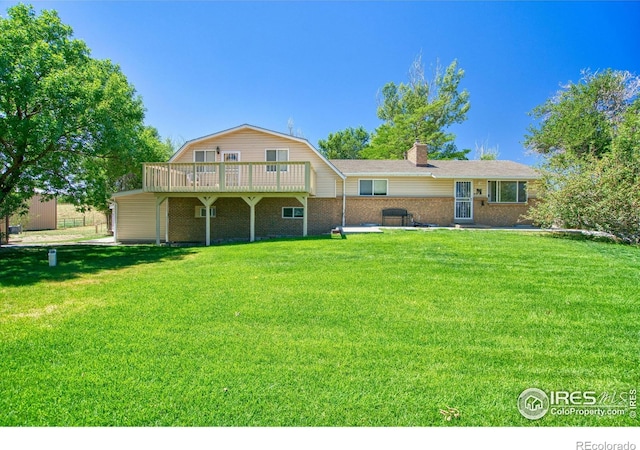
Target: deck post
point(207, 202)
point(168, 178)
point(277, 177)
point(303, 199)
point(144, 177)
point(252, 202)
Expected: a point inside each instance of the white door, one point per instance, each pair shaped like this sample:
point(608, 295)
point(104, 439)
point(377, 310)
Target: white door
point(231, 171)
point(463, 201)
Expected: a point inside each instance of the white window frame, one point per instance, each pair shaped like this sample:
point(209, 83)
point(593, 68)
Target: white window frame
point(498, 200)
point(272, 168)
point(293, 212)
point(201, 212)
point(373, 182)
point(462, 200)
point(205, 153)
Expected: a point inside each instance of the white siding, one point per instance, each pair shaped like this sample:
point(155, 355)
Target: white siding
point(136, 219)
point(407, 186)
point(252, 145)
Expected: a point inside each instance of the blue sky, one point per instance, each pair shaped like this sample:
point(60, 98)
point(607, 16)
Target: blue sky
point(205, 66)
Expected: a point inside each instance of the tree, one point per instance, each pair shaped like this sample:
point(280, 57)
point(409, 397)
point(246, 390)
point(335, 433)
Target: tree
point(421, 110)
point(486, 153)
point(69, 124)
point(582, 118)
point(590, 137)
point(120, 173)
point(345, 144)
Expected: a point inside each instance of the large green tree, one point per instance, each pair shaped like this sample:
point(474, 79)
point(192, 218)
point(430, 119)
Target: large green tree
point(582, 118)
point(589, 136)
point(69, 124)
point(421, 110)
point(345, 144)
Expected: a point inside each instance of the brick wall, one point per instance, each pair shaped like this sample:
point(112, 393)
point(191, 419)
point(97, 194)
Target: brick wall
point(232, 215)
point(426, 210)
point(269, 220)
point(500, 215)
point(324, 214)
point(232, 221)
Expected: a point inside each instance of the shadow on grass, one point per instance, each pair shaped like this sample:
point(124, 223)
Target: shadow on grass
point(584, 237)
point(23, 266)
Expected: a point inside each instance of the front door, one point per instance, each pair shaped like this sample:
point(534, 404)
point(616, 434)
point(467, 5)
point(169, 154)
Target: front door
point(463, 201)
point(231, 171)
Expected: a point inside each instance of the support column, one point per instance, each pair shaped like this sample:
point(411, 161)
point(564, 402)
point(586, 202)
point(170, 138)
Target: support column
point(303, 199)
point(207, 202)
point(159, 200)
point(252, 202)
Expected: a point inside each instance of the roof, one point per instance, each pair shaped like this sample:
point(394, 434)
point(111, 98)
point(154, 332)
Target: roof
point(498, 169)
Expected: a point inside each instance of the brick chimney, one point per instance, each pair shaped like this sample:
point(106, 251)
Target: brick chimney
point(418, 154)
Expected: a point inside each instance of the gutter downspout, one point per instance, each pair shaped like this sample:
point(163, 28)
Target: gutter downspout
point(344, 202)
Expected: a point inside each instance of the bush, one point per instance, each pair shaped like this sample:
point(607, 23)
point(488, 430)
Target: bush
point(594, 194)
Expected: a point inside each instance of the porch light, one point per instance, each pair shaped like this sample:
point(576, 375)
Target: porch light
point(478, 191)
point(218, 150)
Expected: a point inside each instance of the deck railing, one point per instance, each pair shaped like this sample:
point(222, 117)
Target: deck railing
point(287, 176)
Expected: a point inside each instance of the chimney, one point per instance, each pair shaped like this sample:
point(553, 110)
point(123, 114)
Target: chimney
point(418, 154)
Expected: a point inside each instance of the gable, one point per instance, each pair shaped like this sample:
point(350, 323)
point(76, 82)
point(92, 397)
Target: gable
point(251, 143)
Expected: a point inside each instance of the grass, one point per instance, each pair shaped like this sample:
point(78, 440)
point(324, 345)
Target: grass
point(67, 213)
point(61, 235)
point(373, 330)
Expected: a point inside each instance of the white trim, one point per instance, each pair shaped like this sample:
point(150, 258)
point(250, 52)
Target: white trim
point(484, 177)
point(293, 212)
point(468, 200)
point(201, 212)
point(277, 161)
point(205, 155)
point(388, 174)
point(126, 193)
point(495, 202)
point(229, 152)
point(373, 180)
point(305, 221)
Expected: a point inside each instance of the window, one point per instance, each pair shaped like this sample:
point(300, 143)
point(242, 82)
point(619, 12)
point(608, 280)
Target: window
point(204, 156)
point(373, 187)
point(203, 170)
point(507, 191)
point(291, 212)
point(278, 155)
point(201, 211)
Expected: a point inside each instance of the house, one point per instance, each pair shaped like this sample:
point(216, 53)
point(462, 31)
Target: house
point(250, 183)
point(533, 403)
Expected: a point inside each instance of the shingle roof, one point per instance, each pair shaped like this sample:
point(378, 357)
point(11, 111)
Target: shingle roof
point(436, 168)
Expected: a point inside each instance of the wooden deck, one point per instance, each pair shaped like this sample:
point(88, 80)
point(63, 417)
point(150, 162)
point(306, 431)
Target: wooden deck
point(240, 177)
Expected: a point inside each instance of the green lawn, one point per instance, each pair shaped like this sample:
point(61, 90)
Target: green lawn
point(372, 330)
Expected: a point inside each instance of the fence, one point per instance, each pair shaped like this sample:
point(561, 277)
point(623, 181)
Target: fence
point(75, 222)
